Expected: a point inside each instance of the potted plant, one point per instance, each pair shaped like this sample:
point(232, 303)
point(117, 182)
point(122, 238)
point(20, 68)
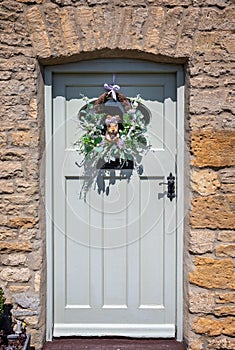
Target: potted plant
point(10, 340)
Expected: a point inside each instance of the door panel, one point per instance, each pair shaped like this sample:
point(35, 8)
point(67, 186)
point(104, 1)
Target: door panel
point(114, 255)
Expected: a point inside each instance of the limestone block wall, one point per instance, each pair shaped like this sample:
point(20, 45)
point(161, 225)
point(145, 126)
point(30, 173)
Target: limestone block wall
point(197, 33)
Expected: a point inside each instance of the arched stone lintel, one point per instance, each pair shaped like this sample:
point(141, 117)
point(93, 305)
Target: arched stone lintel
point(111, 53)
point(71, 34)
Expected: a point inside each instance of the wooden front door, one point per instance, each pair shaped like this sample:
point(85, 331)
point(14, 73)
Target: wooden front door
point(114, 256)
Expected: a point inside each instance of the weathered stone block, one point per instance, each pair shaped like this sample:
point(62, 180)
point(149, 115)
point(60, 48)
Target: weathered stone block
point(22, 313)
point(203, 122)
point(7, 234)
point(228, 42)
point(11, 5)
point(216, 211)
point(28, 234)
point(31, 321)
point(32, 169)
point(21, 138)
point(204, 81)
point(37, 338)
point(18, 288)
point(32, 209)
point(26, 187)
point(32, 113)
point(211, 326)
point(14, 259)
point(211, 19)
point(6, 186)
point(25, 222)
point(218, 3)
point(225, 250)
point(226, 236)
point(227, 179)
point(208, 100)
point(37, 282)
point(12, 101)
point(38, 31)
point(155, 19)
point(15, 274)
point(27, 300)
point(15, 87)
point(201, 241)
point(17, 199)
point(10, 169)
point(195, 344)
point(13, 154)
point(209, 44)
point(221, 343)
point(189, 21)
point(35, 259)
point(225, 310)
point(201, 302)
point(5, 125)
point(213, 273)
point(217, 69)
point(52, 16)
point(69, 29)
point(168, 42)
point(208, 326)
point(205, 182)
point(222, 298)
point(5, 75)
point(184, 46)
point(3, 139)
point(226, 121)
point(210, 148)
point(11, 209)
point(8, 247)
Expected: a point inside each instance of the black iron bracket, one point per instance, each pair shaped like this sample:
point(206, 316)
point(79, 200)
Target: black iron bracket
point(171, 187)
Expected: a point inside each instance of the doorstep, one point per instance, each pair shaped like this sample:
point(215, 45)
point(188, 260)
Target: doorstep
point(113, 344)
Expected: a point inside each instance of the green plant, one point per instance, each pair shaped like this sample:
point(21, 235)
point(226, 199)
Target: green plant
point(2, 300)
point(131, 143)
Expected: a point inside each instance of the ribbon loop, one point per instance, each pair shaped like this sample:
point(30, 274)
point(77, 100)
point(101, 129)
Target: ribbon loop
point(112, 90)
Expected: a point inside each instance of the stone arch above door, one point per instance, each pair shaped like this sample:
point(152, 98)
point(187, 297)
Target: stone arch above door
point(62, 33)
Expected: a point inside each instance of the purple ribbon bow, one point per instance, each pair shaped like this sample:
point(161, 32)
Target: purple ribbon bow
point(112, 90)
point(112, 120)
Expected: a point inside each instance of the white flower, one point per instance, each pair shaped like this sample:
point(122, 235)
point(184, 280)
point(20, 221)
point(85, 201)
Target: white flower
point(135, 104)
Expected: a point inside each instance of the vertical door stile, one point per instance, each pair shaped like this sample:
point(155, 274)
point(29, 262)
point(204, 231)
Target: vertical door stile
point(133, 242)
point(96, 251)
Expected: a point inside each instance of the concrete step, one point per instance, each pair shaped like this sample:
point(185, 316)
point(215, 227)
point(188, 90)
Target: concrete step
point(113, 344)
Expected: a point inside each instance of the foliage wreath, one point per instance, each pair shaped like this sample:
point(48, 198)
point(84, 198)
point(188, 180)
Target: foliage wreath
point(99, 147)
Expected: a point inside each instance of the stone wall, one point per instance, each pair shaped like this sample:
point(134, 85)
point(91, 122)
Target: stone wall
point(196, 33)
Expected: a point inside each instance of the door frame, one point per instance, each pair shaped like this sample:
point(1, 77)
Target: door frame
point(89, 66)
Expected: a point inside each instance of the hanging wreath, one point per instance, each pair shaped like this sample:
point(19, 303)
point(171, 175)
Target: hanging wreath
point(115, 134)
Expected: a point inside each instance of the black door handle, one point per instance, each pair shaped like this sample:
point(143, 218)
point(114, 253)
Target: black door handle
point(170, 186)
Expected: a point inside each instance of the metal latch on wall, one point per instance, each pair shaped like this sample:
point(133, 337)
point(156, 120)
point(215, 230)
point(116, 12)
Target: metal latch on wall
point(170, 186)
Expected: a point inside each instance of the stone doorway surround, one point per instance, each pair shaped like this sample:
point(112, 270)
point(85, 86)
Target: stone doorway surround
point(197, 33)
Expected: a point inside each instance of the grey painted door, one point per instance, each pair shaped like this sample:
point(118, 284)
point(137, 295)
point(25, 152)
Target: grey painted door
point(115, 255)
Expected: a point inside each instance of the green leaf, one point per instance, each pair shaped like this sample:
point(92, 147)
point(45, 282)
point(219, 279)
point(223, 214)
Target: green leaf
point(98, 149)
